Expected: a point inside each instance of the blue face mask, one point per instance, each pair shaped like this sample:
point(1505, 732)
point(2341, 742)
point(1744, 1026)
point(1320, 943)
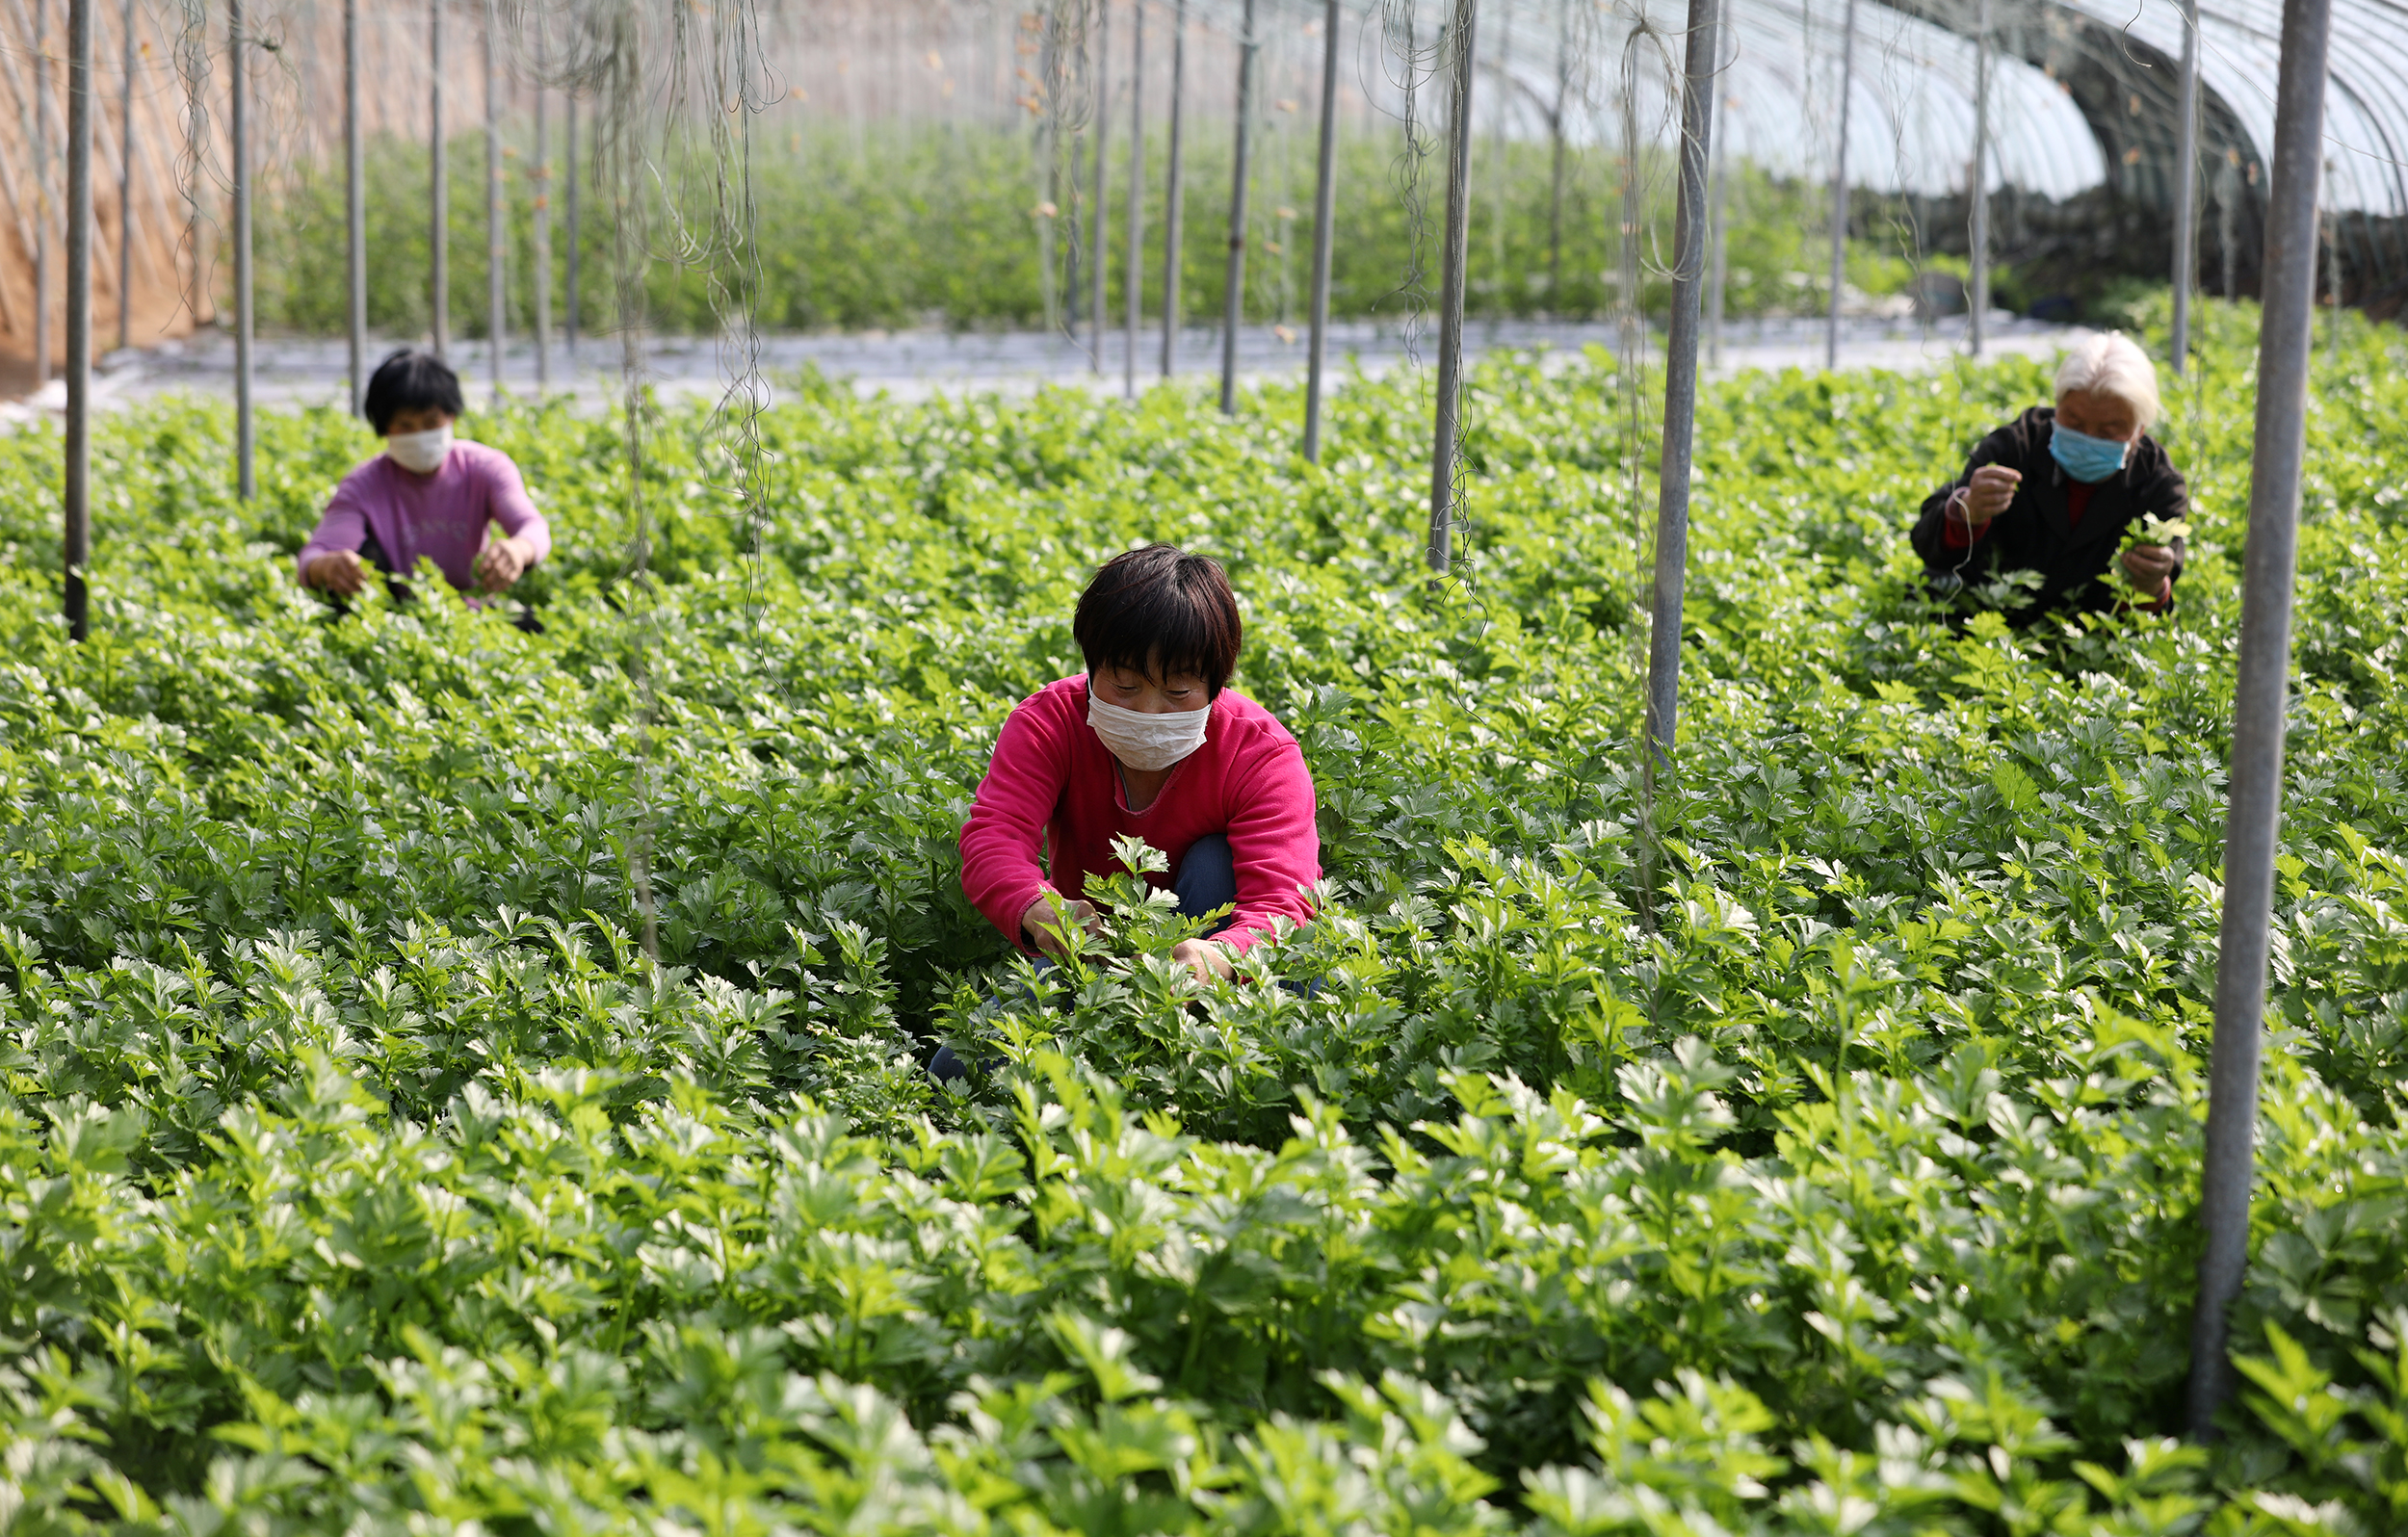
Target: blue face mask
point(2086, 458)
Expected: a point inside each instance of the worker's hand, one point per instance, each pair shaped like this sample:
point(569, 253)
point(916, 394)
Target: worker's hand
point(2146, 567)
point(1989, 491)
point(1049, 916)
point(1207, 958)
point(340, 573)
point(498, 564)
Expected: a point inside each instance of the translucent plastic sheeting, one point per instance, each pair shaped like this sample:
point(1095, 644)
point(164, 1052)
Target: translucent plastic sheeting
point(1911, 108)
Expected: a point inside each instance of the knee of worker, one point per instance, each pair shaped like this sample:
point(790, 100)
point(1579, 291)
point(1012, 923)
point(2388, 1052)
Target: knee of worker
point(1207, 876)
point(946, 1067)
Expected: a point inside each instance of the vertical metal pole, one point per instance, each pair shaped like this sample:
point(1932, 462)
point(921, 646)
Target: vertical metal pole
point(238, 123)
point(438, 212)
point(354, 212)
point(496, 291)
point(1172, 188)
point(1048, 158)
point(1074, 291)
point(76, 478)
point(2186, 188)
point(2329, 226)
point(569, 230)
point(1977, 190)
point(125, 188)
point(543, 245)
point(1555, 133)
point(2227, 200)
point(1718, 243)
point(1680, 386)
point(1630, 332)
point(41, 192)
point(1839, 193)
point(1233, 288)
point(1325, 216)
point(1133, 269)
point(1453, 254)
point(1498, 166)
point(1101, 268)
point(2253, 814)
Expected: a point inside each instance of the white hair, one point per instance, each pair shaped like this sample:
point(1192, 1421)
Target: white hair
point(2111, 363)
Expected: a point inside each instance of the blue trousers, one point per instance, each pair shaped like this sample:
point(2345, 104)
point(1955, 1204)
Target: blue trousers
point(1207, 879)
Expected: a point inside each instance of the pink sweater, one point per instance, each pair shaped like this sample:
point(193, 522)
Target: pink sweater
point(441, 516)
point(1053, 778)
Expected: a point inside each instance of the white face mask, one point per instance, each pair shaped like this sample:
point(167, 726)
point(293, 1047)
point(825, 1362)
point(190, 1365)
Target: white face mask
point(422, 452)
point(1143, 740)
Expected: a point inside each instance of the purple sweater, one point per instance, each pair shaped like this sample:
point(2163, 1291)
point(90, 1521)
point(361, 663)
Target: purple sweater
point(441, 516)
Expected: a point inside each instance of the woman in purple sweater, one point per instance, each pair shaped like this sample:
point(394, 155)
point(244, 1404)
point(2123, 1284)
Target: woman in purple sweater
point(425, 495)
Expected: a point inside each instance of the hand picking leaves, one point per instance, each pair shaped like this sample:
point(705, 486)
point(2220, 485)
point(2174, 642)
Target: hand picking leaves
point(2155, 530)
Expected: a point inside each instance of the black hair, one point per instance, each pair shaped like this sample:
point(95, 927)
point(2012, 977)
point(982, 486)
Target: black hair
point(1159, 611)
point(412, 381)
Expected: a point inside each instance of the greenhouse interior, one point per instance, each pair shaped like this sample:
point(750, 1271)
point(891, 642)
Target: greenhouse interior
point(1254, 767)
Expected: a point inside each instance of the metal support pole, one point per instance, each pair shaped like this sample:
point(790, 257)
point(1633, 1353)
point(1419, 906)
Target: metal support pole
point(1454, 251)
point(2186, 188)
point(354, 212)
point(1556, 169)
point(1839, 193)
point(1172, 188)
point(1324, 215)
point(76, 478)
point(1233, 288)
point(1680, 386)
point(2253, 814)
point(541, 252)
point(1977, 189)
point(438, 211)
point(126, 187)
point(2329, 227)
point(568, 232)
point(1133, 269)
point(41, 192)
point(1100, 266)
point(237, 126)
point(1717, 243)
point(496, 276)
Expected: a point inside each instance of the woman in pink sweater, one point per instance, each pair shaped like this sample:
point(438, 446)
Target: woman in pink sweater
point(1149, 742)
point(426, 494)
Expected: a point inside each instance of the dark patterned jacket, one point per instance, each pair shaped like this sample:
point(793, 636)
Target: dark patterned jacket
point(2070, 540)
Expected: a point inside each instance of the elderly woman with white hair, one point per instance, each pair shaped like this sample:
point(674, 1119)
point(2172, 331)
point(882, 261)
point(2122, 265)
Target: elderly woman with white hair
point(2054, 491)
